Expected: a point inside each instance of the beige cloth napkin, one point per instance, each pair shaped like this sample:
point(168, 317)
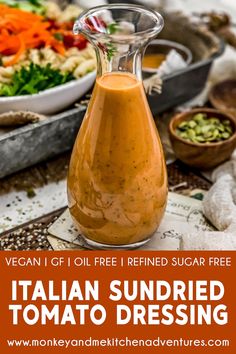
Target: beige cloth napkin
point(219, 206)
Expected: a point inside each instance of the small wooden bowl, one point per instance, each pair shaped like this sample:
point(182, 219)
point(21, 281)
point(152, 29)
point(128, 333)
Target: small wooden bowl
point(202, 156)
point(223, 96)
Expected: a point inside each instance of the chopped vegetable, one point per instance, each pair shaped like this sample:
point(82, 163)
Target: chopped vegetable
point(33, 80)
point(203, 129)
point(37, 47)
point(36, 6)
point(58, 36)
point(21, 30)
point(70, 40)
point(112, 28)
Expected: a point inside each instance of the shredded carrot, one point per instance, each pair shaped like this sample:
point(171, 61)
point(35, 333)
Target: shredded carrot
point(20, 51)
point(21, 30)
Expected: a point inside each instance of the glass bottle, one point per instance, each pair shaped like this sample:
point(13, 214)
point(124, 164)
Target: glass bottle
point(117, 181)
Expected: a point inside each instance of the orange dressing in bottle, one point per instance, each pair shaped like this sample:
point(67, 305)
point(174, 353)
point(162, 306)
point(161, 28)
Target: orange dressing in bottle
point(117, 183)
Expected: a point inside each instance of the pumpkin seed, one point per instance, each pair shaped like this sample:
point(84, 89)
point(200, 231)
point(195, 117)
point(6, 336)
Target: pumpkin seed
point(199, 117)
point(225, 135)
point(183, 125)
point(192, 124)
point(214, 120)
point(206, 129)
point(216, 133)
point(198, 130)
point(200, 139)
point(221, 128)
point(203, 129)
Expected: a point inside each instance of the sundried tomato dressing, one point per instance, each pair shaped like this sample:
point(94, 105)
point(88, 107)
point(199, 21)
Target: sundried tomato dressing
point(117, 182)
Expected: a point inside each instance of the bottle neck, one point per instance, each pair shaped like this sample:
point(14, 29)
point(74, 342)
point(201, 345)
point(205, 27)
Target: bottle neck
point(119, 58)
point(119, 33)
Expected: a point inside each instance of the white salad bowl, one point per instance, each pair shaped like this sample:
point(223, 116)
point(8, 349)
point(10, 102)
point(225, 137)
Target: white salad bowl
point(49, 101)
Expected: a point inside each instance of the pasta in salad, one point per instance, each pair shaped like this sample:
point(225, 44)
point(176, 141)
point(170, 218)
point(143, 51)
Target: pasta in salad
point(54, 12)
point(77, 62)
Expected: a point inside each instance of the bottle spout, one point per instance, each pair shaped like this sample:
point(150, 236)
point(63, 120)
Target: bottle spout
point(118, 20)
point(119, 33)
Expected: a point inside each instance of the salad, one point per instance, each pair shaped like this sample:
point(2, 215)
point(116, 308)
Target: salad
point(38, 49)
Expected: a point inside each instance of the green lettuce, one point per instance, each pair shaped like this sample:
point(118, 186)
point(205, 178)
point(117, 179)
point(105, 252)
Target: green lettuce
point(31, 80)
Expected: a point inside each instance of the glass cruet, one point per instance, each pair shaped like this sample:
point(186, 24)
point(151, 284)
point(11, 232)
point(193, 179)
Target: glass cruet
point(117, 181)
